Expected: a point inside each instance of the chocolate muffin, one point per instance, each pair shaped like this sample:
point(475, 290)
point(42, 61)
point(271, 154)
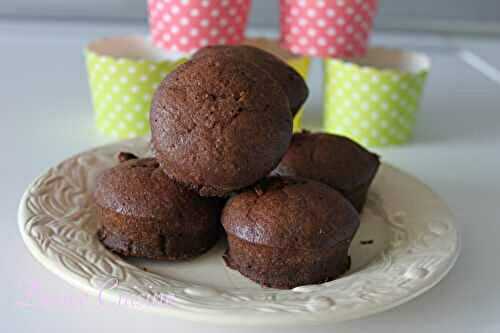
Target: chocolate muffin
point(219, 124)
point(290, 80)
point(143, 213)
point(334, 160)
point(287, 232)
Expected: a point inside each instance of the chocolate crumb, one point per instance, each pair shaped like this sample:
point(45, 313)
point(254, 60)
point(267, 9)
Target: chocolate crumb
point(124, 156)
point(258, 190)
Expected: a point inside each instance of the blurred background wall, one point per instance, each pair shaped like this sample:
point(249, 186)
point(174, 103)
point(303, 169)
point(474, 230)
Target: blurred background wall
point(435, 15)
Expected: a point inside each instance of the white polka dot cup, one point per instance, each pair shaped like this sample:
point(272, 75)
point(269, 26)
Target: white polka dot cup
point(188, 25)
point(123, 75)
point(327, 28)
point(375, 99)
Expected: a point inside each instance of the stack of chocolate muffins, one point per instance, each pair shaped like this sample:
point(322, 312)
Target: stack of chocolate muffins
point(225, 156)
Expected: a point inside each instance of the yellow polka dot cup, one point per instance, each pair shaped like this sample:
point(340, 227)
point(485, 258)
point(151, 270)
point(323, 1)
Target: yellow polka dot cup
point(123, 75)
point(301, 65)
point(375, 99)
point(297, 62)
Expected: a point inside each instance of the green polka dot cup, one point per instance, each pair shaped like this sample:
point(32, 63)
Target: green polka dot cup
point(374, 99)
point(123, 75)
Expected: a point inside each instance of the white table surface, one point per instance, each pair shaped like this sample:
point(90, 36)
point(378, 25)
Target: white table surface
point(46, 116)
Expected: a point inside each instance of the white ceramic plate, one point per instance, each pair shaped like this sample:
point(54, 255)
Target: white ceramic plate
point(407, 243)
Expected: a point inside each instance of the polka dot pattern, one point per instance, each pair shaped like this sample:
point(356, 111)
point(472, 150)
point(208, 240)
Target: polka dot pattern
point(327, 28)
point(122, 90)
point(374, 107)
point(187, 25)
point(301, 65)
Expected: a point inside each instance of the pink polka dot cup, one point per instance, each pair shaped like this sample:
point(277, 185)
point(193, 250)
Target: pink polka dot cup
point(327, 28)
point(188, 25)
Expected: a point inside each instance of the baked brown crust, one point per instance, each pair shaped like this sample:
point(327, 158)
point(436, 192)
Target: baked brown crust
point(175, 244)
point(219, 124)
point(287, 268)
point(287, 232)
point(290, 80)
point(143, 213)
point(334, 160)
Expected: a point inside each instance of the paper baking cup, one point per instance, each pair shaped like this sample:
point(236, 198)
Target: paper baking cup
point(123, 74)
point(299, 63)
point(188, 25)
point(327, 28)
point(374, 99)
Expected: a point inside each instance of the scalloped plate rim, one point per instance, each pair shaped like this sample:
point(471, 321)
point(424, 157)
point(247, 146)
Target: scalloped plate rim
point(240, 317)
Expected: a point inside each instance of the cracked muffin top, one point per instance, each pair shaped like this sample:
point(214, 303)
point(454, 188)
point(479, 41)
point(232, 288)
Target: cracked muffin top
point(219, 124)
point(287, 212)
